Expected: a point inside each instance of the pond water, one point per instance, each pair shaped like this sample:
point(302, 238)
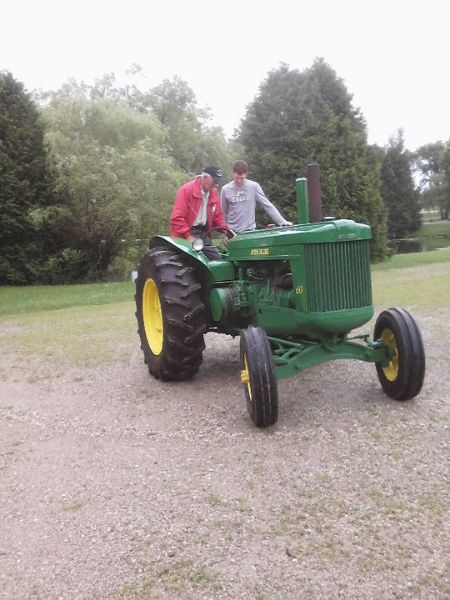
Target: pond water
point(426, 244)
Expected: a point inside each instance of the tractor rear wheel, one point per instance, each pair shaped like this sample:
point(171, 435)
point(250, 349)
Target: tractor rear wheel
point(258, 377)
point(171, 315)
point(402, 377)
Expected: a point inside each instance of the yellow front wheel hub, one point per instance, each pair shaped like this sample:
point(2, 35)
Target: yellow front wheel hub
point(245, 377)
point(152, 316)
point(391, 369)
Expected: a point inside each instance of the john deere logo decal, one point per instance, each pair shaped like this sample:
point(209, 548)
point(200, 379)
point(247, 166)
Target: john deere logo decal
point(259, 251)
point(299, 289)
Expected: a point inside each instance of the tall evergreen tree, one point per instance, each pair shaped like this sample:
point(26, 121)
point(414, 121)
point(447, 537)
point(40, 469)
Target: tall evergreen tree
point(26, 183)
point(303, 117)
point(399, 193)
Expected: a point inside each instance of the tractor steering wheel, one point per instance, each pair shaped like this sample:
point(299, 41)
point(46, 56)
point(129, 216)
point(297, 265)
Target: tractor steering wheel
point(223, 230)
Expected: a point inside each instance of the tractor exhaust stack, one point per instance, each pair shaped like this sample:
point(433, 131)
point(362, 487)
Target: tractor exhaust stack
point(315, 201)
point(309, 202)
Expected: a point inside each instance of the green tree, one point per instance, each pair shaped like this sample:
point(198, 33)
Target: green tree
point(121, 154)
point(399, 193)
point(26, 185)
point(444, 199)
point(303, 117)
point(431, 163)
point(116, 178)
point(189, 140)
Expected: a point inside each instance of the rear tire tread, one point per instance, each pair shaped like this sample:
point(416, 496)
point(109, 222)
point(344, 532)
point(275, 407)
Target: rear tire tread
point(183, 313)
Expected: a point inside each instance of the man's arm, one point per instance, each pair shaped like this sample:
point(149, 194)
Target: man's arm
point(178, 224)
point(219, 217)
point(267, 205)
point(224, 203)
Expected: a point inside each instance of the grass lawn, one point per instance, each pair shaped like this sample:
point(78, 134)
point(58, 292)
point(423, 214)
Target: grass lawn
point(400, 261)
point(74, 325)
point(32, 299)
point(92, 324)
point(434, 229)
point(27, 299)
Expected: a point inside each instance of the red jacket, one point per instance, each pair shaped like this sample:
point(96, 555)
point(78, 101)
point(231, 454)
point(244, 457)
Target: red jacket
point(187, 204)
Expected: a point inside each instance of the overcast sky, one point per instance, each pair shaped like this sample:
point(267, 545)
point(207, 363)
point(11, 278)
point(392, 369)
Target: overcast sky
point(393, 55)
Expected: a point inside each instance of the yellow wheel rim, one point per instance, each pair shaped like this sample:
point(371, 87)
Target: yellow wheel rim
point(245, 377)
point(152, 315)
point(391, 369)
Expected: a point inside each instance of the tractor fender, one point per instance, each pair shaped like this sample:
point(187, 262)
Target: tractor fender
point(210, 272)
point(197, 259)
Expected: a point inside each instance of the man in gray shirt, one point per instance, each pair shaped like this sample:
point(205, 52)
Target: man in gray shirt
point(238, 200)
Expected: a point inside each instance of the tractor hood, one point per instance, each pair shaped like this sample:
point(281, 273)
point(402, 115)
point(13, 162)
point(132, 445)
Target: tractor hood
point(280, 242)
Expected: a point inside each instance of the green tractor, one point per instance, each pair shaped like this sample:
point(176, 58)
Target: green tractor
point(293, 294)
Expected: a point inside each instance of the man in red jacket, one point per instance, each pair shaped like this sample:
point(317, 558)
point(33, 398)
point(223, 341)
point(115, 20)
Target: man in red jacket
point(197, 209)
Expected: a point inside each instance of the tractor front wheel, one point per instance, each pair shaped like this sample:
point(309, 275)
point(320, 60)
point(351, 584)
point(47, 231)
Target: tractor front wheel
point(258, 377)
point(171, 315)
point(402, 376)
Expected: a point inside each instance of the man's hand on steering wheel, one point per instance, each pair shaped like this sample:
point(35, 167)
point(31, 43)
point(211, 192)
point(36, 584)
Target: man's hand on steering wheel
point(227, 233)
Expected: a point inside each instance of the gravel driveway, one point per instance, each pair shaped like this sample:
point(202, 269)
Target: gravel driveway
point(117, 486)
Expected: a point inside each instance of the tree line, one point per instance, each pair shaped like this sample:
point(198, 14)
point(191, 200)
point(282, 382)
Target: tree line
point(89, 172)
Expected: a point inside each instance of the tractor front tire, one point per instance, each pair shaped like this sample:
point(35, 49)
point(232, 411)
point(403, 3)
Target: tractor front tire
point(171, 315)
point(402, 377)
point(258, 377)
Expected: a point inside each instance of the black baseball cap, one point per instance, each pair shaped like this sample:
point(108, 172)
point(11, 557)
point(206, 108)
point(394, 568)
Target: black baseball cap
point(215, 172)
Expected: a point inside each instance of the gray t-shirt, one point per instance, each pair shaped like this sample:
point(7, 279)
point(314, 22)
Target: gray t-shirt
point(239, 202)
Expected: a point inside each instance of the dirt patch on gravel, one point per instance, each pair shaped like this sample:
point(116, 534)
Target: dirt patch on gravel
point(118, 486)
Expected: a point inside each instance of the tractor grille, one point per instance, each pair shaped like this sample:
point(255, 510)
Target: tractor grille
point(338, 275)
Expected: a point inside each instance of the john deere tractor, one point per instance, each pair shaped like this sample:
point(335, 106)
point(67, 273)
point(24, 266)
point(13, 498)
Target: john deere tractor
point(293, 295)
